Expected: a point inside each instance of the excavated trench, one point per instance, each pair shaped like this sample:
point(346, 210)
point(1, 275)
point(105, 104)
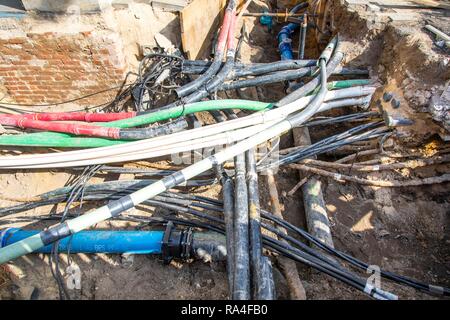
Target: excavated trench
point(403, 229)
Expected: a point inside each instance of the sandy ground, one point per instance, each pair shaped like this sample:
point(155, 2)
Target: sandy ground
point(405, 230)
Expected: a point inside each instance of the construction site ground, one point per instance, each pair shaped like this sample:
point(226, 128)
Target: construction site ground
point(403, 230)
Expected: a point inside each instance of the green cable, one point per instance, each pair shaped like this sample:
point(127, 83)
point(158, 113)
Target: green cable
point(343, 84)
point(65, 140)
point(181, 110)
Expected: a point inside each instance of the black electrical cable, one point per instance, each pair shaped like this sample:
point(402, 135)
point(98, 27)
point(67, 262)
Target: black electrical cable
point(176, 125)
point(228, 215)
point(137, 171)
point(154, 71)
point(302, 38)
point(298, 7)
point(389, 275)
point(65, 101)
point(410, 282)
point(265, 215)
point(303, 257)
point(251, 69)
point(77, 192)
point(333, 63)
point(199, 93)
point(284, 249)
point(241, 278)
point(331, 143)
point(326, 145)
point(214, 67)
point(90, 190)
point(320, 121)
point(280, 76)
point(257, 261)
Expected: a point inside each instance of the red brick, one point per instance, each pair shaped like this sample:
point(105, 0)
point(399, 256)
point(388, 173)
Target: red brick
point(19, 63)
point(16, 40)
point(43, 77)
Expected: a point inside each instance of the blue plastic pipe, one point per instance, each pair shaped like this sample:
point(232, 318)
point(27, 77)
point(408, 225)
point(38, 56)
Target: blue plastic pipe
point(285, 35)
point(285, 41)
point(131, 242)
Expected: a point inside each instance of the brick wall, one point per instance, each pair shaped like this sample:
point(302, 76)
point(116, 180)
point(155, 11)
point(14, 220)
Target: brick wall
point(50, 67)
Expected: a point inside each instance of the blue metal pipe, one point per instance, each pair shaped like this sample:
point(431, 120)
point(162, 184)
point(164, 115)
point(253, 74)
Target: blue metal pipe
point(131, 242)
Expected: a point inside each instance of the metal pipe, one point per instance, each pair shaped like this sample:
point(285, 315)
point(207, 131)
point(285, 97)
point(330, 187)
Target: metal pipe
point(302, 39)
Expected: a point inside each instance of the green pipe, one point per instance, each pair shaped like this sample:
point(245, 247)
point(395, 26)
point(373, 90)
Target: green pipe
point(64, 140)
point(181, 110)
point(56, 140)
point(343, 84)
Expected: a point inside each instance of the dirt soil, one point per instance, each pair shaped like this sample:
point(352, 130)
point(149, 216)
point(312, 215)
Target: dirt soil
point(404, 230)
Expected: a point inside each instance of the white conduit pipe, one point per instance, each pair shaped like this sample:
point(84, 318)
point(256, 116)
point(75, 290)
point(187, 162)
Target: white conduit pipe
point(195, 139)
point(195, 133)
point(225, 138)
point(207, 142)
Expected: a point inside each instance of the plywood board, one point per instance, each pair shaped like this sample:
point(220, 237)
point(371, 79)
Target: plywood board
point(199, 22)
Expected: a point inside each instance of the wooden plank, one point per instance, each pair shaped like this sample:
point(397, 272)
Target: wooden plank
point(413, 4)
point(199, 21)
point(316, 214)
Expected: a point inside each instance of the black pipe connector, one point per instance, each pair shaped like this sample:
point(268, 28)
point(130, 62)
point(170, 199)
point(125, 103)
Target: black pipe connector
point(176, 243)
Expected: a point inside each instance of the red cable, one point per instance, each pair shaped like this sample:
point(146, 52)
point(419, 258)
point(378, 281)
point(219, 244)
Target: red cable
point(75, 116)
point(223, 34)
point(76, 129)
point(230, 37)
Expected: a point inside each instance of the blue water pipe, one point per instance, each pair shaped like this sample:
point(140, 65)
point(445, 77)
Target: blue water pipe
point(285, 35)
point(285, 41)
point(12, 14)
point(130, 242)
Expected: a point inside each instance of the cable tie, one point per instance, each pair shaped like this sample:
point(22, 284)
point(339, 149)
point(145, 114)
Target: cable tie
point(436, 289)
point(229, 137)
point(385, 294)
point(368, 288)
point(378, 296)
point(215, 162)
point(183, 105)
point(20, 122)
